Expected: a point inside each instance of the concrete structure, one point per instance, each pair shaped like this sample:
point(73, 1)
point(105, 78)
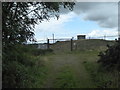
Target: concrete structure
point(42, 46)
point(81, 37)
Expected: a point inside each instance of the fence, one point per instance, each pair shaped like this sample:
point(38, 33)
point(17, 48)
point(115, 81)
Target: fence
point(62, 39)
point(46, 44)
point(103, 37)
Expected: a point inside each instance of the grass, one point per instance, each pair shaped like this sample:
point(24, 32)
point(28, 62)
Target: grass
point(38, 75)
point(76, 69)
point(100, 77)
point(65, 78)
point(66, 69)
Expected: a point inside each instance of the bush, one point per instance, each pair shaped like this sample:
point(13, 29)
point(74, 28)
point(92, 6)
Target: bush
point(18, 61)
point(14, 75)
point(110, 59)
point(14, 67)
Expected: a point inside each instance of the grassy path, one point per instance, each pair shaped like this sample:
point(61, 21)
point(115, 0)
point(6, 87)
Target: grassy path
point(66, 71)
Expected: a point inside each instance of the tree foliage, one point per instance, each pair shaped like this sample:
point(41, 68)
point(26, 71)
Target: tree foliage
point(19, 18)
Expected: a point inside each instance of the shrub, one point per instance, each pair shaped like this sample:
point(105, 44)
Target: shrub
point(110, 59)
point(14, 75)
point(18, 61)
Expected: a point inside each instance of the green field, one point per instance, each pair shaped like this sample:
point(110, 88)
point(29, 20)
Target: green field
point(77, 69)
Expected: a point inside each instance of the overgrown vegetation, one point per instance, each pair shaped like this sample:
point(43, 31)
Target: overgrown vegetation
point(105, 72)
point(101, 77)
point(110, 59)
point(22, 68)
point(18, 22)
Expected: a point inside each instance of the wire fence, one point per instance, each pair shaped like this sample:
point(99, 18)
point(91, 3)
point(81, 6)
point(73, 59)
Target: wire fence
point(104, 37)
point(46, 44)
point(54, 40)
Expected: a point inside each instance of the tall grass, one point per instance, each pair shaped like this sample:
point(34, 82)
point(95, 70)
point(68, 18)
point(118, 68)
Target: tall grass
point(22, 67)
point(101, 77)
point(98, 74)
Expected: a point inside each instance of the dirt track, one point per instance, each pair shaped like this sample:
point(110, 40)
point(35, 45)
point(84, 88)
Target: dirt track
point(55, 64)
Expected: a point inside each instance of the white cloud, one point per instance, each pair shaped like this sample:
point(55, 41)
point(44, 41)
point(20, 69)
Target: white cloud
point(53, 26)
point(104, 13)
point(98, 33)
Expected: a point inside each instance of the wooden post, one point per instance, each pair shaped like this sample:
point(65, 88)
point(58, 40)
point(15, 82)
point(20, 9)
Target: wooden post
point(71, 45)
point(47, 43)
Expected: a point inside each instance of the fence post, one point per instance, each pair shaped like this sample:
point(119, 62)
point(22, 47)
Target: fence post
point(47, 43)
point(71, 44)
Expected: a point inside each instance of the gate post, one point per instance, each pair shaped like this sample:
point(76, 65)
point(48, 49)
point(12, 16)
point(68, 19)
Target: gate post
point(71, 44)
point(47, 43)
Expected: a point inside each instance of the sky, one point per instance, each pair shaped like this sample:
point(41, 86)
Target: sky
point(93, 19)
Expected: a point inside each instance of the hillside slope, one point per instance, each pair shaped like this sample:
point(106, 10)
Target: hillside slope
point(86, 44)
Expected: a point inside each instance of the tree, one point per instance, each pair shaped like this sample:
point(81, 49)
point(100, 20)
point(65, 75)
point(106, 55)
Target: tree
point(19, 18)
point(18, 21)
